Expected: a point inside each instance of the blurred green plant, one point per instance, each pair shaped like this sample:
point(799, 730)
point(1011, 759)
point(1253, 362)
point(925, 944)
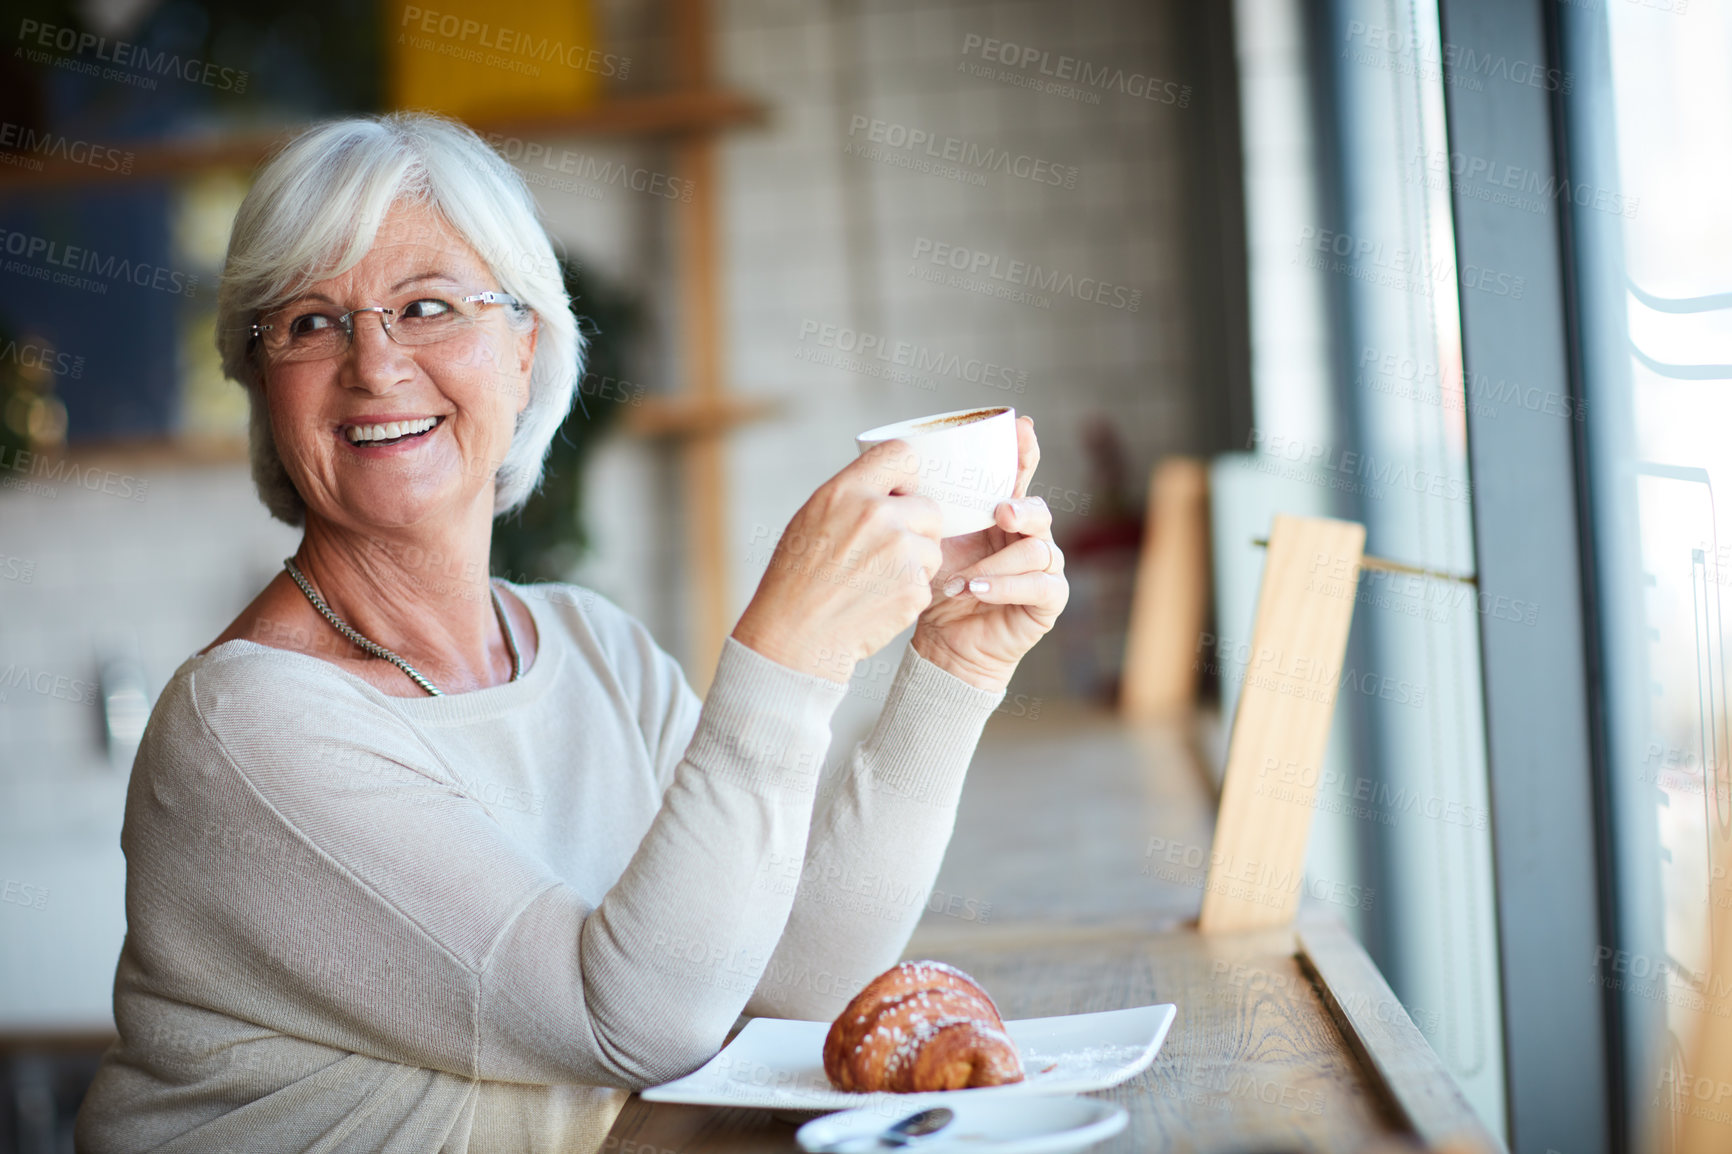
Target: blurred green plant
point(13, 392)
point(546, 539)
point(32, 418)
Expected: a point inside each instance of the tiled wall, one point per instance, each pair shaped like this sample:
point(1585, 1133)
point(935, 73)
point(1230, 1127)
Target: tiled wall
point(814, 236)
point(819, 235)
point(145, 573)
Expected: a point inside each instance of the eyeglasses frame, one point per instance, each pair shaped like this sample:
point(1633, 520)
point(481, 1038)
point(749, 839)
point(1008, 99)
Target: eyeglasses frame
point(486, 297)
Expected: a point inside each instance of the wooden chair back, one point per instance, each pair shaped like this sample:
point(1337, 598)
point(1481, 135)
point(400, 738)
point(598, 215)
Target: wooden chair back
point(1275, 752)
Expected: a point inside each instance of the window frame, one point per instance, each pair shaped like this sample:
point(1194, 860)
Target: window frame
point(1532, 540)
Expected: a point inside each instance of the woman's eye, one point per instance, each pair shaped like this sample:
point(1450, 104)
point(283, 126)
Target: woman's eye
point(309, 323)
point(426, 309)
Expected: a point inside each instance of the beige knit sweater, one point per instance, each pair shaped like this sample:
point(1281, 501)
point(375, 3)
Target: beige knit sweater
point(474, 922)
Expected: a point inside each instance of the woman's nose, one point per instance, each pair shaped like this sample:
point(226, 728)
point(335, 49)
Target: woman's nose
point(372, 357)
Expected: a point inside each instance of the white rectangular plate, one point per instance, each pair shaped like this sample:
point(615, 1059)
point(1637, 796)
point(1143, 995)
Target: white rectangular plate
point(778, 1063)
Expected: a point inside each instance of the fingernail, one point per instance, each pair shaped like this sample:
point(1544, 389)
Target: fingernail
point(978, 585)
point(954, 586)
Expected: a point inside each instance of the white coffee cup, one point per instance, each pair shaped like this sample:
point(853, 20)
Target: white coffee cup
point(967, 461)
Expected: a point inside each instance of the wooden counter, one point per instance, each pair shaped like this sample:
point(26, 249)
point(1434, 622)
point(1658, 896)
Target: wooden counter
point(1070, 886)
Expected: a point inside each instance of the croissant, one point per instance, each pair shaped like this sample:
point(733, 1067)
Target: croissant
point(920, 1026)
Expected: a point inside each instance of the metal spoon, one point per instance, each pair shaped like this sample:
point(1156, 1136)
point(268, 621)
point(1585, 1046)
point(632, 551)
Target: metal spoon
point(904, 1133)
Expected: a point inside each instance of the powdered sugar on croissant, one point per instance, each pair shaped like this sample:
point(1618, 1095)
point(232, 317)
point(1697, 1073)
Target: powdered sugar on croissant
point(920, 1026)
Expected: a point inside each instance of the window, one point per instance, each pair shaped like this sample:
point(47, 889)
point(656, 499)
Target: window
point(1649, 165)
point(1361, 414)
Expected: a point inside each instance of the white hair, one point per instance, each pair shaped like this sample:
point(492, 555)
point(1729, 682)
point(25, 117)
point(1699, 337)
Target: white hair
point(313, 213)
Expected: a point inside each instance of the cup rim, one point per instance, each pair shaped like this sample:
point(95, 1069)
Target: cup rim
point(903, 428)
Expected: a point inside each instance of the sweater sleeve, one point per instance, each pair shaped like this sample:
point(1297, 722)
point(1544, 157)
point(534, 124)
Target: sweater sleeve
point(307, 864)
point(879, 832)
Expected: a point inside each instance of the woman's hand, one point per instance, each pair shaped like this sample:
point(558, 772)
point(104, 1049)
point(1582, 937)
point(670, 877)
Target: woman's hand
point(1001, 588)
point(852, 570)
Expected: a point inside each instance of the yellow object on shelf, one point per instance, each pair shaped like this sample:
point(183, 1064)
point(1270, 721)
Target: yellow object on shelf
point(482, 59)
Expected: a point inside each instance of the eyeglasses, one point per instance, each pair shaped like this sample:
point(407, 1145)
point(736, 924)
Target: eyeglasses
point(305, 334)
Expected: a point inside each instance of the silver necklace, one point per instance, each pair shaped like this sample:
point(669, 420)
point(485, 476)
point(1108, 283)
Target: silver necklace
point(380, 651)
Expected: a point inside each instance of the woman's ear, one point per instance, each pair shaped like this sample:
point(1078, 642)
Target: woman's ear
point(526, 360)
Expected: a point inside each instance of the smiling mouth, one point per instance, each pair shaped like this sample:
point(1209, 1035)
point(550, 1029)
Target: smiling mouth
point(389, 433)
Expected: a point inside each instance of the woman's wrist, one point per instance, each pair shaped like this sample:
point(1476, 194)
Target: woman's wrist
point(993, 677)
point(815, 661)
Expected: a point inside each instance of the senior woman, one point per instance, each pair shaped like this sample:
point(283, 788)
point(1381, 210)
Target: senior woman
point(422, 861)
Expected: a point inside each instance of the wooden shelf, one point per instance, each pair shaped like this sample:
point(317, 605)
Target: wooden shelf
point(674, 417)
point(88, 1040)
point(152, 452)
point(683, 416)
point(655, 416)
point(693, 112)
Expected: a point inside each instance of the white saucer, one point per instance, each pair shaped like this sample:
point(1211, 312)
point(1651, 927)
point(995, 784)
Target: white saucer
point(1028, 1124)
point(778, 1064)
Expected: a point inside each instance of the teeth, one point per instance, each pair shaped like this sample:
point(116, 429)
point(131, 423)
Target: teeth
point(389, 431)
